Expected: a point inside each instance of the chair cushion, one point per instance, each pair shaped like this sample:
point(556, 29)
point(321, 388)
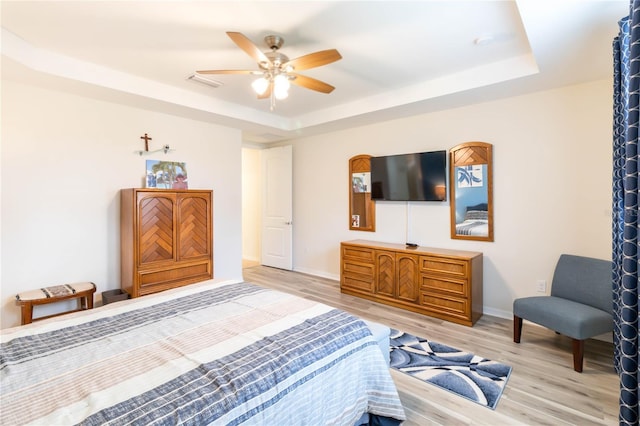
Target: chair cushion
point(585, 280)
point(570, 318)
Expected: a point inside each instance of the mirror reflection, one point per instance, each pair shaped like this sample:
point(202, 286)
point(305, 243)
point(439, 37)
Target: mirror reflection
point(471, 194)
point(361, 206)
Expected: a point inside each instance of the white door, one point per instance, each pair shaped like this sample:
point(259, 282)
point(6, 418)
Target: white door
point(277, 227)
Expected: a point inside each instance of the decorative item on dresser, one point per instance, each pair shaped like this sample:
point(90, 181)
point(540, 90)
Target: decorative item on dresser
point(442, 283)
point(166, 239)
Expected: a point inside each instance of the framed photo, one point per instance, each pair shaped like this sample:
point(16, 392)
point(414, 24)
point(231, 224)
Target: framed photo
point(470, 176)
point(166, 175)
point(361, 182)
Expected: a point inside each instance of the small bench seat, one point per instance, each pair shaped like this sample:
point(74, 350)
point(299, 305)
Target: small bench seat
point(83, 291)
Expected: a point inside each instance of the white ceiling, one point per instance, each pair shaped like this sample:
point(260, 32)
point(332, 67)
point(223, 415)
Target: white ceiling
point(399, 57)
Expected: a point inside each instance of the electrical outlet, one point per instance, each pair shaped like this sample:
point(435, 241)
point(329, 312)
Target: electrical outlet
point(542, 286)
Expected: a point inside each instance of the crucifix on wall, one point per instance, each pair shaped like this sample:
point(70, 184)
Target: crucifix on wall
point(147, 138)
point(146, 141)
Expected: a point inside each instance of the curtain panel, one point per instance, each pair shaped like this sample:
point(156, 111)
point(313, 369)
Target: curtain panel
point(626, 115)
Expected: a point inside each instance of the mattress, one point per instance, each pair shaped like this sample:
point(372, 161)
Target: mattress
point(210, 353)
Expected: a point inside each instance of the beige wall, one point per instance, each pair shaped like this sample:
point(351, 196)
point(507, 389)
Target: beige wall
point(64, 159)
point(251, 204)
point(552, 180)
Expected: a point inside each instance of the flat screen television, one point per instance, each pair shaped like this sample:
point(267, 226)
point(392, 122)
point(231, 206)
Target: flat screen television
point(410, 177)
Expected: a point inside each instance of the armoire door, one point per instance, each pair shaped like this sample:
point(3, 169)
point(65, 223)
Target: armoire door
point(156, 232)
point(193, 222)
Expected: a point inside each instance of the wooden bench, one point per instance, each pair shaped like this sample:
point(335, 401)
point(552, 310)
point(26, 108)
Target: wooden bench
point(83, 292)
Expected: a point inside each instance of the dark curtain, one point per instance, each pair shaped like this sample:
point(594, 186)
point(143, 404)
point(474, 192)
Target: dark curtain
point(626, 52)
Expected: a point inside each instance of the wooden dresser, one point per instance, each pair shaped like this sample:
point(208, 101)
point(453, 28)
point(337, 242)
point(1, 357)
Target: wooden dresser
point(166, 239)
point(441, 283)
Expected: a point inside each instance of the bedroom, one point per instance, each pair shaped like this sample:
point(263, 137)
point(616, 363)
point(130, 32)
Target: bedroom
point(65, 155)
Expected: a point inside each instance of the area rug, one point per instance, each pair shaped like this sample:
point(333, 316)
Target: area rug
point(462, 373)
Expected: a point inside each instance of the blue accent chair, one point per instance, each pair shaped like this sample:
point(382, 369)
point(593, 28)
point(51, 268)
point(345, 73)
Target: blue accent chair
point(580, 305)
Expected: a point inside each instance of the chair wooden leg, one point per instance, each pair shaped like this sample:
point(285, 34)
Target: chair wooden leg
point(578, 354)
point(517, 328)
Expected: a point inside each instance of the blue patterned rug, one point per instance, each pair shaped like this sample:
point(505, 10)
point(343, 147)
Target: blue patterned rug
point(462, 373)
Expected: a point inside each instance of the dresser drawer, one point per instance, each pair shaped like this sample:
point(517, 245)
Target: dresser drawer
point(453, 287)
point(446, 306)
point(357, 276)
point(155, 280)
point(352, 269)
point(445, 266)
point(358, 254)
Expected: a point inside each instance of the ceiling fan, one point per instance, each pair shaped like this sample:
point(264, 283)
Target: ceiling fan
point(277, 71)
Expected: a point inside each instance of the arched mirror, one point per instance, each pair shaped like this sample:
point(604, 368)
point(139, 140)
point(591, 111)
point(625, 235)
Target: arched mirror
point(471, 191)
point(362, 209)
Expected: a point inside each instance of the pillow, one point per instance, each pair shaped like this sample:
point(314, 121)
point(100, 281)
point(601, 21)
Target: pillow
point(476, 215)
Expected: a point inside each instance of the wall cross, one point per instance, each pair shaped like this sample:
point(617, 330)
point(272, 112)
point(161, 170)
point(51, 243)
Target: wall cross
point(146, 141)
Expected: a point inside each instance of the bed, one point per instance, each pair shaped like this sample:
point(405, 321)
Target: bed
point(210, 353)
point(475, 221)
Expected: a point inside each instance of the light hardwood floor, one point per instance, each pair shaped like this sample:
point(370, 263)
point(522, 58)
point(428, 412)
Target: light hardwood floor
point(543, 388)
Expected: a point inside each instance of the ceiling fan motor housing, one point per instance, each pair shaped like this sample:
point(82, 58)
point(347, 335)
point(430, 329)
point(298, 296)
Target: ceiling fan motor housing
point(274, 42)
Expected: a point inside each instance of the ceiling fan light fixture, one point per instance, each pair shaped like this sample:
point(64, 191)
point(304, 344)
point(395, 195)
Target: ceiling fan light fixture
point(260, 85)
point(281, 86)
point(281, 94)
point(276, 70)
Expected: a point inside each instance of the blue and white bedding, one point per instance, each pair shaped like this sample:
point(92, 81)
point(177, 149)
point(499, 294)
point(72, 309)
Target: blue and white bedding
point(209, 353)
point(479, 228)
point(476, 222)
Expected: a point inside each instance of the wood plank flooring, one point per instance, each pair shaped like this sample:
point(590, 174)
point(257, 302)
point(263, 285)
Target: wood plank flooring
point(543, 388)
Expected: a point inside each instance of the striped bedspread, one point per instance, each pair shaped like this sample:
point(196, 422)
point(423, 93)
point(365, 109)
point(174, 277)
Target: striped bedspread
point(209, 353)
point(473, 227)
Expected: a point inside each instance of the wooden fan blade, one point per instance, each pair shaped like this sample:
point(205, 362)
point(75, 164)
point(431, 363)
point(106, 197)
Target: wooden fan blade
point(247, 45)
point(267, 93)
point(227, 72)
point(311, 83)
point(313, 60)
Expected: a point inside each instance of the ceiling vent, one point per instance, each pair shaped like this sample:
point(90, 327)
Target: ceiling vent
point(203, 80)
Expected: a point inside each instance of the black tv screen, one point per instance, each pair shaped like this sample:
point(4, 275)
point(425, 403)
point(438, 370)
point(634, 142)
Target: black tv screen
point(409, 177)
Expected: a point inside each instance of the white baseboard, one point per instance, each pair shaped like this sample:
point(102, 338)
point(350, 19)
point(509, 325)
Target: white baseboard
point(317, 273)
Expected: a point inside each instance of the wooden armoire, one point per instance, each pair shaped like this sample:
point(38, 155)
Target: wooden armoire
point(166, 239)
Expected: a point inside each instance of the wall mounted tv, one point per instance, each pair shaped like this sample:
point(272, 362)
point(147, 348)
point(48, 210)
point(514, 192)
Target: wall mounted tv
point(410, 177)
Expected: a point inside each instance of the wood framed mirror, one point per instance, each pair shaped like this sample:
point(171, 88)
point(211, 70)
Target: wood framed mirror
point(471, 191)
point(362, 209)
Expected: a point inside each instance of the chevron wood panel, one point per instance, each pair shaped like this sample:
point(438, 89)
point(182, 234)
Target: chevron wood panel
point(408, 277)
point(360, 165)
point(156, 230)
point(471, 155)
point(193, 229)
point(386, 273)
